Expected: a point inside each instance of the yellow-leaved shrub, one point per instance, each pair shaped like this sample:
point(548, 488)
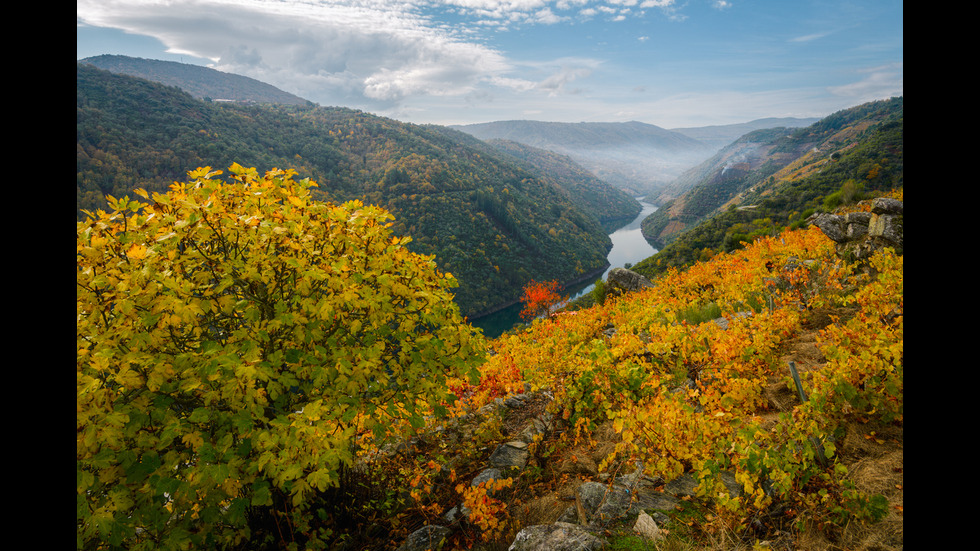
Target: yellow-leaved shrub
point(233, 339)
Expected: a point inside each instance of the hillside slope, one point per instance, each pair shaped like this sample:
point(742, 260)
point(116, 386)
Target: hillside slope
point(779, 179)
point(719, 136)
point(700, 191)
point(493, 224)
point(688, 380)
point(199, 82)
point(597, 198)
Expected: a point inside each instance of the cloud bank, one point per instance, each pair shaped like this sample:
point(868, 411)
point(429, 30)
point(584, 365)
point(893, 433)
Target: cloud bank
point(433, 60)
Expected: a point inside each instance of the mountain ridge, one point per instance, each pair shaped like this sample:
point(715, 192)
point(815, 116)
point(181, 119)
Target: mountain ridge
point(494, 223)
point(773, 178)
point(200, 82)
point(639, 157)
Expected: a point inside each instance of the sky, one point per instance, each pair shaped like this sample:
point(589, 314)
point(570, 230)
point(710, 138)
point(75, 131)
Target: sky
point(671, 63)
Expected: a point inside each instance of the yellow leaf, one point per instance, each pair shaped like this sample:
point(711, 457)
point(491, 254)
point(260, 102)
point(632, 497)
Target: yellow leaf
point(193, 440)
point(136, 251)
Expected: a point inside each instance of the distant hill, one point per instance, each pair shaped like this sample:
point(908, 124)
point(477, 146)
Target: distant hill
point(634, 156)
point(718, 136)
point(721, 176)
point(199, 82)
point(603, 201)
point(492, 220)
point(775, 178)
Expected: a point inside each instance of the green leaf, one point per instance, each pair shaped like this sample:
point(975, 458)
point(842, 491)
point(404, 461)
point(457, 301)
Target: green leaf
point(200, 415)
point(261, 496)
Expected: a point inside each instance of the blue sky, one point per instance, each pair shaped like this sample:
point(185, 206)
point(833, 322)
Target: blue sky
point(672, 63)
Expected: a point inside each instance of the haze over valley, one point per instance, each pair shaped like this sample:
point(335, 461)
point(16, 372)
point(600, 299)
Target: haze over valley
point(536, 202)
point(349, 274)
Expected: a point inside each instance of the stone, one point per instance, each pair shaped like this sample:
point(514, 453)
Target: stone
point(621, 280)
point(857, 224)
point(684, 485)
point(859, 234)
point(560, 536)
point(516, 401)
point(510, 454)
point(604, 503)
point(427, 538)
point(647, 528)
point(831, 225)
point(887, 228)
point(887, 205)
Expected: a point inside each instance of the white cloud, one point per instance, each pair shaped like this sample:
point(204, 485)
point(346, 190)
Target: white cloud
point(809, 37)
point(429, 59)
point(557, 83)
point(381, 50)
point(877, 83)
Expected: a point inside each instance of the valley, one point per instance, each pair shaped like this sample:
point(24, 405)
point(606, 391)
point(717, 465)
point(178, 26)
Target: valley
point(280, 305)
point(528, 201)
point(628, 247)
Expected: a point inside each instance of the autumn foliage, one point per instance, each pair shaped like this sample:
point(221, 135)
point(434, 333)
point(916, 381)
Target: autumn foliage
point(688, 396)
point(234, 340)
point(240, 345)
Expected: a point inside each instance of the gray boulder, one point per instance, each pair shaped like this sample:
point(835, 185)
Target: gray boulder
point(427, 538)
point(560, 536)
point(510, 454)
point(859, 234)
point(621, 281)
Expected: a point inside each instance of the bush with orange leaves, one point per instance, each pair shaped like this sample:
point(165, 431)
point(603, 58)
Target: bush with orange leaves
point(539, 298)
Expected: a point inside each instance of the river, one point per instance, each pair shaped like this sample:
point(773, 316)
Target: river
point(628, 247)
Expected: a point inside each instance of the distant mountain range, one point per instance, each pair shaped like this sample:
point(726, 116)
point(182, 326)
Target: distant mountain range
point(721, 135)
point(494, 220)
point(499, 203)
point(638, 157)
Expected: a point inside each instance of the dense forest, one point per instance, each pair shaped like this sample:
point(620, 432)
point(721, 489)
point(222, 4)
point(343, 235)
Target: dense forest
point(490, 219)
point(791, 174)
point(610, 205)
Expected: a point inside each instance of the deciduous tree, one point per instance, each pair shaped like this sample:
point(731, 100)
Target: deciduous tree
point(539, 297)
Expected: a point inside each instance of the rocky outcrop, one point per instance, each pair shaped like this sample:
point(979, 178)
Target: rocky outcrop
point(859, 234)
point(621, 281)
point(507, 458)
point(560, 536)
point(598, 503)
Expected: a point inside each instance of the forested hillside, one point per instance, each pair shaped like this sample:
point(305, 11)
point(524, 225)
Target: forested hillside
point(200, 82)
point(258, 370)
point(491, 221)
point(773, 179)
point(606, 203)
